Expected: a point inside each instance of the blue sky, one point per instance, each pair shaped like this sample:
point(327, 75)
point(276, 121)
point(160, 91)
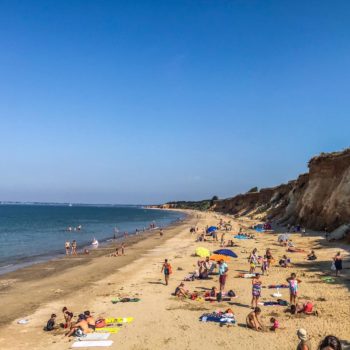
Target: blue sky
point(150, 101)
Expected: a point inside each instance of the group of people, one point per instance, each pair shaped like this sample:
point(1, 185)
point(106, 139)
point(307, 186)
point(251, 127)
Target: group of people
point(120, 249)
point(85, 323)
point(71, 248)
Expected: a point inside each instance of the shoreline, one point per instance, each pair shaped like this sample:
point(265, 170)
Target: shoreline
point(20, 263)
point(40, 274)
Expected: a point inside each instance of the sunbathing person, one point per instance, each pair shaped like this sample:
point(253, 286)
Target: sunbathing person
point(284, 262)
point(181, 292)
point(253, 321)
point(80, 328)
point(303, 307)
point(90, 320)
point(295, 250)
point(212, 295)
point(312, 256)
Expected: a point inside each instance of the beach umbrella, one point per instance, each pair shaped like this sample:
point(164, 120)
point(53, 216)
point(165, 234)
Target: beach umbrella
point(202, 252)
point(212, 229)
point(226, 252)
point(218, 257)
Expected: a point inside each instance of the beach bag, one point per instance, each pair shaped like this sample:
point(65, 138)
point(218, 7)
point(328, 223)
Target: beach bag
point(333, 268)
point(308, 307)
point(219, 297)
point(100, 323)
point(231, 293)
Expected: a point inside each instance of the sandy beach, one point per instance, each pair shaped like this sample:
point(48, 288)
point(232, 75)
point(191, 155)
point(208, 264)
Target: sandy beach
point(162, 321)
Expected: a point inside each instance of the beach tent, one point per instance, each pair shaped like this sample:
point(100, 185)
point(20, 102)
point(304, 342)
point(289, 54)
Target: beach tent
point(212, 229)
point(226, 252)
point(202, 252)
point(218, 257)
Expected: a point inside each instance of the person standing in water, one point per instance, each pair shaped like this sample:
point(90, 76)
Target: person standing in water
point(166, 269)
point(67, 246)
point(74, 247)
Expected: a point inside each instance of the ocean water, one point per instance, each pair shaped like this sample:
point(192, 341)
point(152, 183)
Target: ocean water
point(33, 233)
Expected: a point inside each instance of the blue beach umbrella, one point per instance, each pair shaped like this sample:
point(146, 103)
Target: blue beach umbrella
point(212, 229)
point(226, 252)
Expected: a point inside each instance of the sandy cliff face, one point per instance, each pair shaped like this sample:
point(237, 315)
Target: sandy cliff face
point(318, 199)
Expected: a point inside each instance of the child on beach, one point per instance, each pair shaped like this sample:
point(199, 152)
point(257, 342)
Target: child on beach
point(50, 326)
point(253, 321)
point(256, 290)
point(68, 315)
point(265, 266)
point(293, 287)
point(274, 324)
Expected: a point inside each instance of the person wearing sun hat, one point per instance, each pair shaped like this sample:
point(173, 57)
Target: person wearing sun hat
point(304, 340)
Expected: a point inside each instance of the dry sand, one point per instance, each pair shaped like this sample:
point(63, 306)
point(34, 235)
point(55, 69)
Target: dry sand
point(161, 320)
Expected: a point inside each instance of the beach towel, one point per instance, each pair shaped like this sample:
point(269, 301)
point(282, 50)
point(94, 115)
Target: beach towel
point(328, 279)
point(125, 300)
point(23, 321)
point(108, 330)
point(110, 320)
point(95, 336)
point(271, 286)
point(241, 237)
point(91, 344)
point(246, 275)
point(218, 318)
point(279, 302)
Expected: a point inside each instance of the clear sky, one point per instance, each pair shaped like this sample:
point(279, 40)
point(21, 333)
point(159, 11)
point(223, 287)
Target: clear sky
point(150, 101)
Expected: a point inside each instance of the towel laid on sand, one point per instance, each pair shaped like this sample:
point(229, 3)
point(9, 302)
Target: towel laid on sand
point(92, 344)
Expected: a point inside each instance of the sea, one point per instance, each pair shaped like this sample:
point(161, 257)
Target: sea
point(32, 233)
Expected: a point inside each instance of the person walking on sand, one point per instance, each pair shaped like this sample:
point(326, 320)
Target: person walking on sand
point(67, 247)
point(256, 290)
point(304, 343)
point(74, 247)
point(167, 270)
point(123, 248)
point(223, 268)
point(293, 287)
point(338, 263)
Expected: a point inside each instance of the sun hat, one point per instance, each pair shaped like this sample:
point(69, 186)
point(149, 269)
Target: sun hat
point(302, 334)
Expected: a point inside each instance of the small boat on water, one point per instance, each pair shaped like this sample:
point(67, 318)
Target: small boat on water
point(94, 243)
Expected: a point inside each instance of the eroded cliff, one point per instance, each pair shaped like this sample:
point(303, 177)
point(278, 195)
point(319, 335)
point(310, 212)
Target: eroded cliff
point(319, 199)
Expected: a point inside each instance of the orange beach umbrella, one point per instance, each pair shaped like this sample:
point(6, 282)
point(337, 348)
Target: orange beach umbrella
point(218, 257)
